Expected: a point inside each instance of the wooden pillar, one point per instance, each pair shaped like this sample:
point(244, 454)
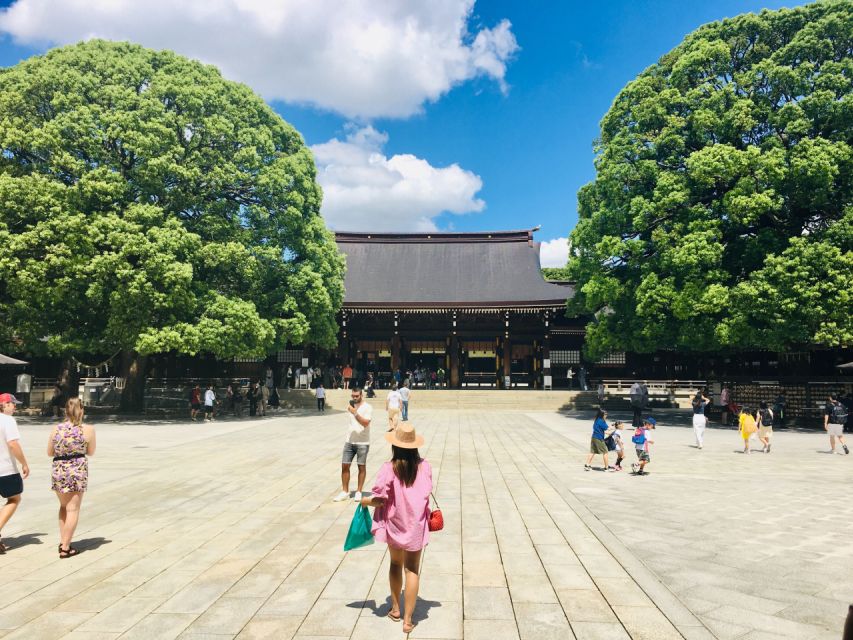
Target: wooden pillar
point(455, 382)
point(395, 353)
point(546, 356)
point(506, 369)
point(536, 362)
point(507, 353)
point(343, 344)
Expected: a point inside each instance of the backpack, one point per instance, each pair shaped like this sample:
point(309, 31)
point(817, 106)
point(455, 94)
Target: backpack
point(766, 418)
point(839, 413)
point(639, 436)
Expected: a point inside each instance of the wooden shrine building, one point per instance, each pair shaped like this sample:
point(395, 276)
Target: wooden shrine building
point(474, 304)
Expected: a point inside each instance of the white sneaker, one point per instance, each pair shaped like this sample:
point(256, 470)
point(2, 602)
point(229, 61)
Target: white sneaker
point(357, 496)
point(343, 495)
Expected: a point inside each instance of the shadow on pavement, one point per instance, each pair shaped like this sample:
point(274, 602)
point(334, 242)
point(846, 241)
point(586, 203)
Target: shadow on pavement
point(23, 540)
point(90, 544)
point(381, 610)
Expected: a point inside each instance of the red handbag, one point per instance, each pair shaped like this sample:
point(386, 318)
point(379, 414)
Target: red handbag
point(436, 520)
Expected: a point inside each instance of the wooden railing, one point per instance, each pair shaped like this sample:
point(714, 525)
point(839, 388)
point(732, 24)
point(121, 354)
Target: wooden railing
point(655, 387)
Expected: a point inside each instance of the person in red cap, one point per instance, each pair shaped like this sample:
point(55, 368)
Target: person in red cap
point(11, 480)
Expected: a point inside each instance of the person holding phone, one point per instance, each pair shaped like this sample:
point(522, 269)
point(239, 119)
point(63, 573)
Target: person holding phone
point(357, 443)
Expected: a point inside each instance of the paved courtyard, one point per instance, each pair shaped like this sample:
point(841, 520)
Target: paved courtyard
point(227, 530)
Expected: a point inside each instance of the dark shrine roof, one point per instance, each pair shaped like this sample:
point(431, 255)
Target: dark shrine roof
point(406, 270)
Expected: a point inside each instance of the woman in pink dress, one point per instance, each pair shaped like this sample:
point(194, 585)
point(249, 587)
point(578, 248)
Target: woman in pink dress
point(401, 518)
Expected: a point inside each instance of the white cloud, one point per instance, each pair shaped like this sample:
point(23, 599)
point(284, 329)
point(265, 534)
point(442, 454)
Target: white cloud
point(554, 253)
point(361, 58)
point(363, 189)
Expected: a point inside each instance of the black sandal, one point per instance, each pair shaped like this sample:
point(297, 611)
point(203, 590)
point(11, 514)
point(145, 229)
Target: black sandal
point(3, 547)
point(70, 552)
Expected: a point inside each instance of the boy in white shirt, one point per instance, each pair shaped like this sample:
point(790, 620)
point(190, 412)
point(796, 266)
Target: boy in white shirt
point(209, 401)
point(320, 392)
point(393, 405)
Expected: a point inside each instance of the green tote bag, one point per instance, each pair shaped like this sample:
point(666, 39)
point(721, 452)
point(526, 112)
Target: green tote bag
point(359, 529)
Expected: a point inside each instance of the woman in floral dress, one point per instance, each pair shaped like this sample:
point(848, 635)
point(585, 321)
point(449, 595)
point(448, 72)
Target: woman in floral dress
point(69, 444)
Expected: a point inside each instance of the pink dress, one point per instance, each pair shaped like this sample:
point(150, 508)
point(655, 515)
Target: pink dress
point(403, 521)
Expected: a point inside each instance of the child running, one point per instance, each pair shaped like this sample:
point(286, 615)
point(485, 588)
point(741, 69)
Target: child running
point(765, 426)
point(619, 445)
point(748, 426)
point(643, 440)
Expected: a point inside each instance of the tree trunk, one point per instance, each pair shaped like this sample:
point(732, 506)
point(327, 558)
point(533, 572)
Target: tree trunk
point(69, 379)
point(133, 370)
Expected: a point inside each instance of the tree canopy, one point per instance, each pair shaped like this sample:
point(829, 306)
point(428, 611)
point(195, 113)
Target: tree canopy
point(147, 204)
point(721, 215)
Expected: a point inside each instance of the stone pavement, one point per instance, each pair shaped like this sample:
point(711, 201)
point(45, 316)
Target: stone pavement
point(227, 531)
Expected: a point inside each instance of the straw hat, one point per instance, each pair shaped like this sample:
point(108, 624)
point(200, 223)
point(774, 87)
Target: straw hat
point(404, 436)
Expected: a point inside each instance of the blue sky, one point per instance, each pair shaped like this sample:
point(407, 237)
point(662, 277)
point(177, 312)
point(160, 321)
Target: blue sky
point(488, 128)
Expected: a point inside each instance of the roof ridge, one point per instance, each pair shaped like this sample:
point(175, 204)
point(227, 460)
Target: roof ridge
point(519, 235)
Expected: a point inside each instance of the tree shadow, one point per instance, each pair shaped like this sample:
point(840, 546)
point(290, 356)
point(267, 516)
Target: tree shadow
point(23, 540)
point(90, 544)
point(422, 607)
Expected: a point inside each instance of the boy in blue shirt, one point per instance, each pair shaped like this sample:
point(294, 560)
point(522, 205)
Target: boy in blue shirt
point(643, 440)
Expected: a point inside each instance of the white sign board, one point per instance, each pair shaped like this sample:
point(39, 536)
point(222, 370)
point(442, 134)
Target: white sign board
point(304, 362)
point(546, 363)
point(547, 382)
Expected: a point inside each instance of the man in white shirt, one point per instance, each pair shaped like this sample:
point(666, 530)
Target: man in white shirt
point(209, 401)
point(393, 405)
point(320, 393)
point(357, 443)
point(405, 394)
point(11, 481)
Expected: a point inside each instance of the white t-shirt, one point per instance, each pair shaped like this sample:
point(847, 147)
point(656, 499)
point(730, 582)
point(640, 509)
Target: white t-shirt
point(404, 393)
point(395, 400)
point(617, 438)
point(356, 434)
point(209, 398)
point(650, 438)
point(8, 432)
point(320, 392)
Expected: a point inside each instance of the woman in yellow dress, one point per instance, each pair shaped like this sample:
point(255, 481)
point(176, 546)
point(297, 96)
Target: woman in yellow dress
point(748, 426)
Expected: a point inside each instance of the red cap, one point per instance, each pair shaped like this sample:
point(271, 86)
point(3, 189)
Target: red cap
point(6, 398)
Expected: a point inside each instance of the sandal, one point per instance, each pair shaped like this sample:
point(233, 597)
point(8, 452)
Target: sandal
point(2, 547)
point(393, 617)
point(411, 626)
point(70, 552)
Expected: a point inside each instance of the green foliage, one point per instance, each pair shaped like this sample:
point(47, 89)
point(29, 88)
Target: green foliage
point(555, 273)
point(721, 215)
point(148, 204)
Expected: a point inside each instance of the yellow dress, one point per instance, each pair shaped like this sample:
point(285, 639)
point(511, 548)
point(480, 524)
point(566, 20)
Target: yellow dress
point(747, 426)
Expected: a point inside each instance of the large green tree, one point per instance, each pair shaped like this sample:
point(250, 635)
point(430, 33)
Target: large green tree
point(148, 205)
point(721, 215)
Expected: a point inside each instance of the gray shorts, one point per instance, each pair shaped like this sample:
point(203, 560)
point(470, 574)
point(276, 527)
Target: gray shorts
point(835, 429)
point(357, 451)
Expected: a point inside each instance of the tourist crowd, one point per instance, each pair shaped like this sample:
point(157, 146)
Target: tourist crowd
point(400, 495)
point(608, 439)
